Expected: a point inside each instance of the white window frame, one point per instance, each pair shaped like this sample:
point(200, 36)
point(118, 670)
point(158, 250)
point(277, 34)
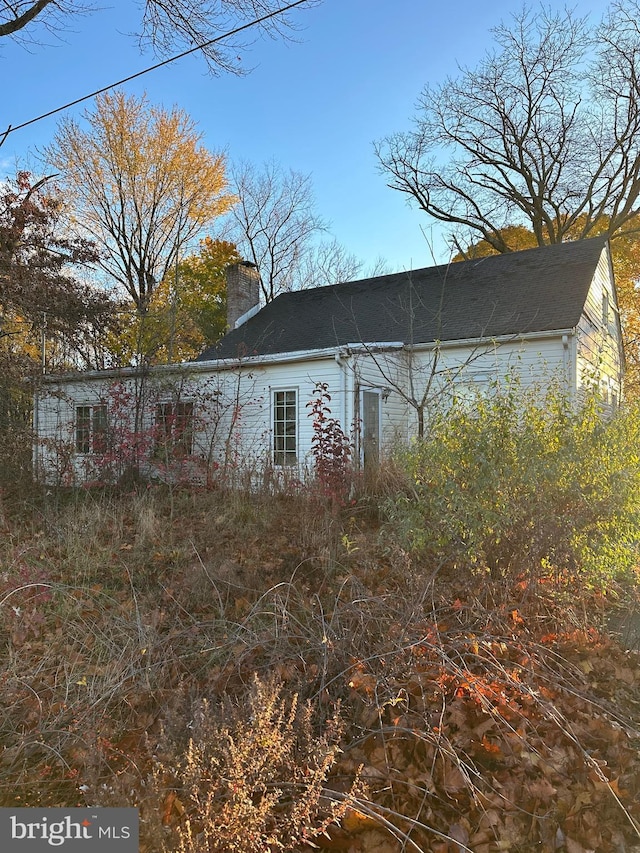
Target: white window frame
point(86, 432)
point(284, 456)
point(172, 428)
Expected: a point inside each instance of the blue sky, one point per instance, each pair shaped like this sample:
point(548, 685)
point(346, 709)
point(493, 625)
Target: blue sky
point(316, 105)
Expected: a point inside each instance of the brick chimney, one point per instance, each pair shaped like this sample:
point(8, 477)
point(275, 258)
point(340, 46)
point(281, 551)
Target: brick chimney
point(243, 290)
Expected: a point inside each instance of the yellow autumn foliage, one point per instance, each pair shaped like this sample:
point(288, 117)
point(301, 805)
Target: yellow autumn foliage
point(142, 185)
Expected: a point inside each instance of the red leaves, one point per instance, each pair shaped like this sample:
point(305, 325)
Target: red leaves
point(330, 447)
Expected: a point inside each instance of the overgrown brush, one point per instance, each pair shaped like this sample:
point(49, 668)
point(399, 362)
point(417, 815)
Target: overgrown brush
point(188, 656)
point(518, 487)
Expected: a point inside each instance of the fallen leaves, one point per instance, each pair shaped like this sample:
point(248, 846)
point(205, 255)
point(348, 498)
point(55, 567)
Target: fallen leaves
point(476, 728)
point(523, 754)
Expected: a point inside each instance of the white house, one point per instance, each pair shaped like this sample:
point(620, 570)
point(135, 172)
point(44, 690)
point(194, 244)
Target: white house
point(387, 349)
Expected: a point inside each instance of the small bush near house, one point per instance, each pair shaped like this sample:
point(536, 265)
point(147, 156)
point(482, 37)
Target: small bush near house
point(330, 448)
point(516, 488)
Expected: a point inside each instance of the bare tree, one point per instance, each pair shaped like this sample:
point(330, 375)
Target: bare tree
point(14, 17)
point(274, 222)
point(330, 262)
point(167, 26)
point(275, 225)
point(545, 132)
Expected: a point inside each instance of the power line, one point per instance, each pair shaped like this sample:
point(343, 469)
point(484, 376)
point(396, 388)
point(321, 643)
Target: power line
point(198, 47)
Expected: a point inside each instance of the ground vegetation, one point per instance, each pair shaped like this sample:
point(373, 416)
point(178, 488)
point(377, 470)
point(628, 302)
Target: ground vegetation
point(276, 669)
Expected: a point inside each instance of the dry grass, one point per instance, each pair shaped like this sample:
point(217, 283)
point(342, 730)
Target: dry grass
point(124, 617)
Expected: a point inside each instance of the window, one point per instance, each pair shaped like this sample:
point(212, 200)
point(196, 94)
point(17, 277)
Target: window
point(174, 428)
point(91, 429)
point(285, 428)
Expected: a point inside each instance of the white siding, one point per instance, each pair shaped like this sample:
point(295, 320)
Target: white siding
point(233, 414)
point(233, 430)
point(302, 377)
point(599, 358)
point(383, 372)
point(458, 368)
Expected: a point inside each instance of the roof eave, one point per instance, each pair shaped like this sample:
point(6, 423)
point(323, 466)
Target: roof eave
point(190, 367)
point(493, 339)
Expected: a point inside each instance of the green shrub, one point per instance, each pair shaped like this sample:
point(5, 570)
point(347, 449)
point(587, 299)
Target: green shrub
point(513, 485)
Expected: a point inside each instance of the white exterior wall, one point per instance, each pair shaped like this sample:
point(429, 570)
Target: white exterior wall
point(254, 431)
point(382, 372)
point(56, 457)
point(599, 354)
point(233, 407)
point(460, 367)
point(538, 361)
point(233, 414)
point(535, 360)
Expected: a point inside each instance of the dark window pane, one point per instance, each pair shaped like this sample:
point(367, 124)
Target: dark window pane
point(285, 426)
point(83, 429)
point(174, 428)
point(99, 437)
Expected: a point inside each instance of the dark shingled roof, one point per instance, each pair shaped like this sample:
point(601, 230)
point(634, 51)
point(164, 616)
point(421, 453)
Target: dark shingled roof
point(530, 291)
